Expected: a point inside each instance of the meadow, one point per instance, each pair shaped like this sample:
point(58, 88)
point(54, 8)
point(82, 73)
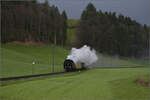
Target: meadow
point(71, 31)
point(95, 84)
point(111, 78)
point(16, 60)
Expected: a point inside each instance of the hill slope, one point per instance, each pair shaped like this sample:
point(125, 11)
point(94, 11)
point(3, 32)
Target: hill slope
point(17, 60)
point(90, 85)
point(71, 32)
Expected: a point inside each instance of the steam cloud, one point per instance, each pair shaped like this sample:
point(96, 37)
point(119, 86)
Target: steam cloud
point(83, 55)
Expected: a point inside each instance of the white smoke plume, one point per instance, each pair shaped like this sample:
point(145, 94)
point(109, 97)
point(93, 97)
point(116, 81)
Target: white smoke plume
point(83, 55)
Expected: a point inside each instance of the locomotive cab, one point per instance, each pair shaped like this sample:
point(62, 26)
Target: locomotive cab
point(69, 65)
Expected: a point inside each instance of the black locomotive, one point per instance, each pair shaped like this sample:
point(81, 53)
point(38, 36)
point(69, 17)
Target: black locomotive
point(69, 65)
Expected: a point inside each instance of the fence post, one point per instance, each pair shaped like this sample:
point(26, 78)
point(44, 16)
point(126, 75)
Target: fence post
point(52, 58)
point(33, 67)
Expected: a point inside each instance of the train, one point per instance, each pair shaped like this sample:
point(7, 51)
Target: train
point(69, 65)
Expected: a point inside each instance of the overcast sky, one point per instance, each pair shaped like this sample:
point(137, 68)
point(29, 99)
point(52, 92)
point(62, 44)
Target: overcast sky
point(138, 10)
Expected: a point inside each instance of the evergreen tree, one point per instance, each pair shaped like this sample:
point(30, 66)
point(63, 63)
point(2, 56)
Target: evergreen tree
point(64, 32)
point(32, 21)
point(112, 34)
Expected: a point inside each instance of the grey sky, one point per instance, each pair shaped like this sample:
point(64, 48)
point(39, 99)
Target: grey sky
point(138, 10)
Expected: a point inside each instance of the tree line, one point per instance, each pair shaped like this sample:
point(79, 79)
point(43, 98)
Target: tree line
point(29, 20)
point(113, 34)
point(105, 31)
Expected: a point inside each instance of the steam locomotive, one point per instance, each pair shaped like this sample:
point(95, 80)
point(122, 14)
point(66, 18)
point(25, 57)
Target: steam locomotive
point(69, 65)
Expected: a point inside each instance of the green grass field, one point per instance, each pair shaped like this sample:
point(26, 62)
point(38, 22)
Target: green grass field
point(109, 61)
point(71, 35)
point(92, 84)
point(17, 60)
point(72, 23)
point(71, 31)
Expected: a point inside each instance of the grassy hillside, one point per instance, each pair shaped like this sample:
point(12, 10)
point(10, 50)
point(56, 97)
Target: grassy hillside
point(71, 36)
point(71, 31)
point(93, 84)
point(72, 23)
point(17, 60)
point(110, 61)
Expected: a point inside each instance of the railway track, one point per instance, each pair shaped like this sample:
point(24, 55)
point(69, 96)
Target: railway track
point(107, 67)
point(57, 73)
point(31, 76)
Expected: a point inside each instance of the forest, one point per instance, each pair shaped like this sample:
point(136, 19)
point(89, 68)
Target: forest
point(113, 34)
point(107, 32)
point(32, 21)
